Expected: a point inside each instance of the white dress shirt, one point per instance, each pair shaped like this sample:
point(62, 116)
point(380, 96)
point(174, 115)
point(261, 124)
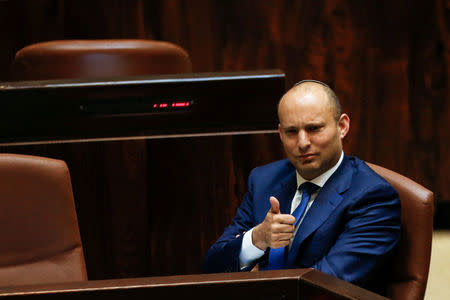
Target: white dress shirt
point(250, 252)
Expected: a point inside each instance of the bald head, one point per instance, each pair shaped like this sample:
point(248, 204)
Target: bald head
point(305, 87)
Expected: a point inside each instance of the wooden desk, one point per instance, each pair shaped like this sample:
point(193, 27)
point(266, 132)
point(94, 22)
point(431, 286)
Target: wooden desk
point(283, 284)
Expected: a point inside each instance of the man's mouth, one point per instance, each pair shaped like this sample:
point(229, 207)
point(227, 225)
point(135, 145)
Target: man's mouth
point(306, 156)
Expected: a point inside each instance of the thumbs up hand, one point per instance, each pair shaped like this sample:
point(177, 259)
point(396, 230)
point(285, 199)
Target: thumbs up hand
point(276, 230)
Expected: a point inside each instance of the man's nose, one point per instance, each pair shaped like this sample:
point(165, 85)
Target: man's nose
point(303, 140)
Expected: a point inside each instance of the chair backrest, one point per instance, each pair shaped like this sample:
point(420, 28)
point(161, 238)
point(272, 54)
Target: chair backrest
point(412, 260)
point(39, 236)
point(64, 59)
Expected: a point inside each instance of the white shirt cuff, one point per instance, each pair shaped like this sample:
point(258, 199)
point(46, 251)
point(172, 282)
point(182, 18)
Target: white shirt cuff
point(249, 252)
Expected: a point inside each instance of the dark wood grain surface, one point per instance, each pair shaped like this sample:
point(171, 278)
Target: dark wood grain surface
point(388, 61)
point(280, 284)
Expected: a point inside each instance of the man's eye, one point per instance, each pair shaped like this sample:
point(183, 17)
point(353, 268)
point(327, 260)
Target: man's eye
point(291, 131)
point(313, 128)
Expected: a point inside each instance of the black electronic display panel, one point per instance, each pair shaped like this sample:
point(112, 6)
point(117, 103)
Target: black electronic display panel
point(133, 107)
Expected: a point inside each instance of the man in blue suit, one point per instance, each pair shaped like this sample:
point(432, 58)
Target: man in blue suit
point(345, 221)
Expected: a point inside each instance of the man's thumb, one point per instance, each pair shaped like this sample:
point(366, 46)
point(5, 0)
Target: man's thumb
point(274, 205)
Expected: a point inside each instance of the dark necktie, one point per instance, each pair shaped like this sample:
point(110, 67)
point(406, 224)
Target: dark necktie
point(277, 259)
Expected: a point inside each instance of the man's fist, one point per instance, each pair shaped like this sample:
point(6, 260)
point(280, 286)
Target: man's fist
point(276, 230)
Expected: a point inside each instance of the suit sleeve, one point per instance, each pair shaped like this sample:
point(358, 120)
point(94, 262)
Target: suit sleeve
point(370, 233)
point(223, 256)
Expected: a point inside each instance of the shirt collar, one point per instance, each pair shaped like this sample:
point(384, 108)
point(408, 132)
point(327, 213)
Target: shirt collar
point(321, 179)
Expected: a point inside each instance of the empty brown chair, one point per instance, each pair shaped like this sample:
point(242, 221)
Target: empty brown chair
point(412, 261)
point(99, 59)
point(39, 239)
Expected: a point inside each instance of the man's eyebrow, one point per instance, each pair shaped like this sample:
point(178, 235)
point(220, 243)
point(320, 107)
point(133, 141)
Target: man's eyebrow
point(318, 123)
point(289, 127)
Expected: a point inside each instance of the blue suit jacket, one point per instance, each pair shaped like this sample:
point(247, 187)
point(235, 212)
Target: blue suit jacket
point(349, 232)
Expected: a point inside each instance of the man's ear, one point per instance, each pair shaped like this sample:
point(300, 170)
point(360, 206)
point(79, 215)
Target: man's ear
point(279, 130)
point(344, 125)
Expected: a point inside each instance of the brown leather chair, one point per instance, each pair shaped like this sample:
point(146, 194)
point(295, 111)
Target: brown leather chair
point(99, 59)
point(39, 240)
point(413, 257)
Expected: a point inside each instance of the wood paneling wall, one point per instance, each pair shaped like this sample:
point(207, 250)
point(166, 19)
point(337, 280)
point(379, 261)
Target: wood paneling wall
point(388, 61)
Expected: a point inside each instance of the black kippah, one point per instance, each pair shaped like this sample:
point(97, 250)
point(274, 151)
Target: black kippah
point(312, 80)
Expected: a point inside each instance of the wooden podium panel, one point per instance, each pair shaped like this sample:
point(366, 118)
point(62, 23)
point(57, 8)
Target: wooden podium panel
point(307, 284)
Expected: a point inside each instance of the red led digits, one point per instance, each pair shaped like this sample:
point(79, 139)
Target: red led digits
point(173, 104)
point(180, 104)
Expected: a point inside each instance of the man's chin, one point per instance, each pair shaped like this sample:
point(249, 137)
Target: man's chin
point(308, 164)
point(307, 170)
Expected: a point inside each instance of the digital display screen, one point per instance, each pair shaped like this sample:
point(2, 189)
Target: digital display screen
point(169, 104)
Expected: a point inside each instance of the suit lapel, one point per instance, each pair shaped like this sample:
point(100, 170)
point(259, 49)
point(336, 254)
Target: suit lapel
point(327, 199)
point(286, 192)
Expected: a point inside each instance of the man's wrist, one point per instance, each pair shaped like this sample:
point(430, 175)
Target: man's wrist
point(257, 239)
point(249, 252)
